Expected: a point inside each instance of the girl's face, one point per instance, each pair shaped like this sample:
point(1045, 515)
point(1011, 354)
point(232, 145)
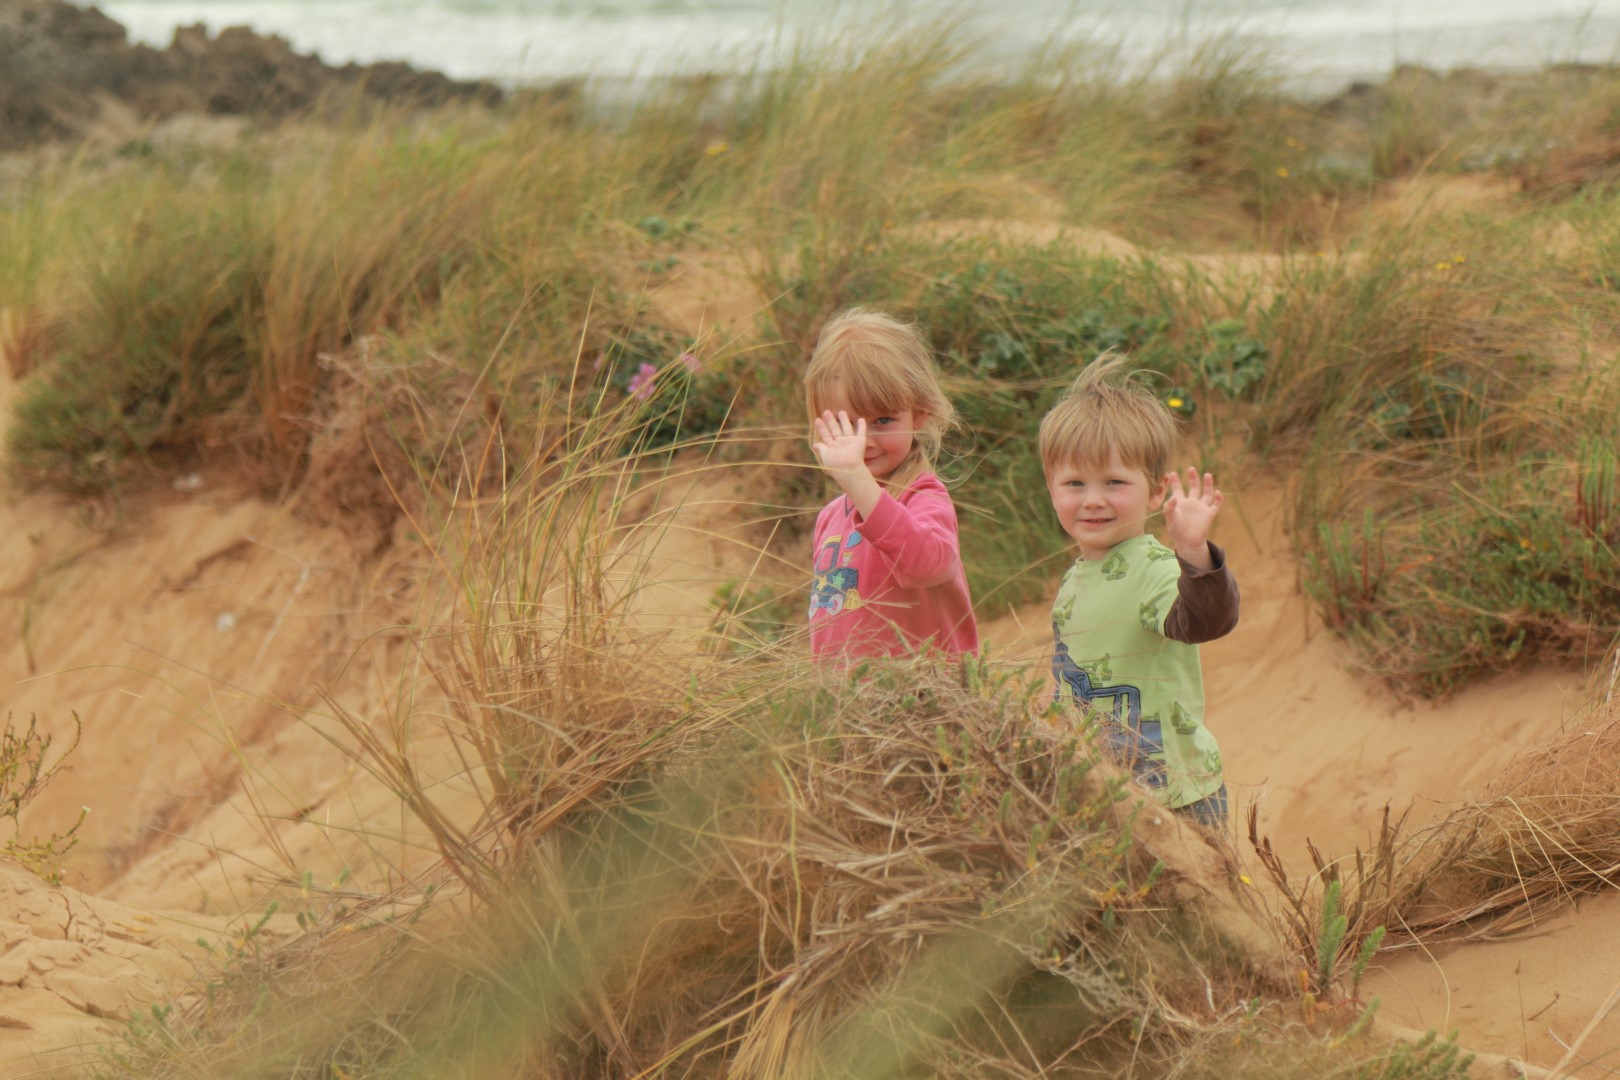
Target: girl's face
point(889, 433)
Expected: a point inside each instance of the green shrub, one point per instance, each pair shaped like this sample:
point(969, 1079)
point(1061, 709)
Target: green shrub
point(1012, 331)
point(1450, 591)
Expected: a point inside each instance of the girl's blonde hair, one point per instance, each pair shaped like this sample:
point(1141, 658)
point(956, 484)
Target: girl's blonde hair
point(881, 365)
point(1107, 410)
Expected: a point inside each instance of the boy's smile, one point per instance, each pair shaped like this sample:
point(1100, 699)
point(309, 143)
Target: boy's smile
point(1100, 505)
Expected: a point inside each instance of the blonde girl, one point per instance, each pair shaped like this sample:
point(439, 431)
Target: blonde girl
point(888, 577)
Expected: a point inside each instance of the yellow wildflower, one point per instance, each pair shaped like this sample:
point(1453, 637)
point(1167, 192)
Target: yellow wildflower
point(1175, 403)
point(715, 149)
point(1282, 171)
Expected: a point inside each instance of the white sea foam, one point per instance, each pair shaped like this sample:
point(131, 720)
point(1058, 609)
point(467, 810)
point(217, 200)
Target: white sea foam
point(516, 41)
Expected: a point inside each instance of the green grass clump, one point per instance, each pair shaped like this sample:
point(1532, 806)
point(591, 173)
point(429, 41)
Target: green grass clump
point(156, 349)
point(1013, 329)
point(194, 304)
point(1465, 589)
point(1452, 508)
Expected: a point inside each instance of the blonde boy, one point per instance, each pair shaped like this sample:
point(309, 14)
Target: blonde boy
point(1131, 612)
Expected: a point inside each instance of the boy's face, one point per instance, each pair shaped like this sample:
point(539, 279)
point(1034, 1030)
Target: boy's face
point(1100, 505)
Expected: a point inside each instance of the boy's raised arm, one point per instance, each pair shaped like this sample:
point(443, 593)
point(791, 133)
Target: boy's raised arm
point(1206, 604)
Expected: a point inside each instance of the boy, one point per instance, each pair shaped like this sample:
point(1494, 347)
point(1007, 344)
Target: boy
point(1131, 612)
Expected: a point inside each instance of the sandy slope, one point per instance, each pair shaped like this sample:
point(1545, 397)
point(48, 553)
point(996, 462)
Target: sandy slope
point(202, 641)
point(1532, 997)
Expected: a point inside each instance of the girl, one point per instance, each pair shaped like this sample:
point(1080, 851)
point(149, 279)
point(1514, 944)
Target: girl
point(888, 572)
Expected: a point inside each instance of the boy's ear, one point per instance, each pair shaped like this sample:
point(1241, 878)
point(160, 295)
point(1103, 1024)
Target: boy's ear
point(1161, 490)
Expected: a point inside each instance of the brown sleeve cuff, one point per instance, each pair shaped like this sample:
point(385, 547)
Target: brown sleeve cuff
point(1206, 604)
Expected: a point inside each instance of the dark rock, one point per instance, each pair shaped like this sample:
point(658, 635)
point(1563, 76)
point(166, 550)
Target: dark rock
point(59, 64)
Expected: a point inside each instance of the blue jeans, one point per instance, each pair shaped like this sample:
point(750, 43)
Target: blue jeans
point(1210, 810)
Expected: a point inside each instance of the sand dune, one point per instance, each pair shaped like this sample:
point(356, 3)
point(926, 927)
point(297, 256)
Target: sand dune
point(196, 635)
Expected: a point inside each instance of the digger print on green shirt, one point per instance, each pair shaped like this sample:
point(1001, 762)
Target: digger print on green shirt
point(1142, 690)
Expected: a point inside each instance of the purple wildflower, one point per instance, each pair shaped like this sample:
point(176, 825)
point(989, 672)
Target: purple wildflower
point(641, 383)
point(693, 364)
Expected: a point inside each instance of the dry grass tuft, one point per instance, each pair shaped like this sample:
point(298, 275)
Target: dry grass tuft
point(910, 869)
point(392, 429)
point(1546, 831)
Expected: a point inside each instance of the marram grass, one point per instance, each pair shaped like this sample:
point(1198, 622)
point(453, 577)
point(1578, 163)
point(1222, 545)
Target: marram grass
point(1385, 344)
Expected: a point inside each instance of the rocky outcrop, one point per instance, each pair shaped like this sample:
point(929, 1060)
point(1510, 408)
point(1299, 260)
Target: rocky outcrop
point(62, 66)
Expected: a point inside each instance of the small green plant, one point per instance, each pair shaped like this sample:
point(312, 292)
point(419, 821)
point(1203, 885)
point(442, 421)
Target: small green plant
point(248, 943)
point(658, 228)
point(1430, 1058)
point(311, 912)
point(1337, 935)
point(1234, 362)
point(1346, 568)
point(1597, 487)
point(1331, 931)
point(1329, 936)
point(682, 397)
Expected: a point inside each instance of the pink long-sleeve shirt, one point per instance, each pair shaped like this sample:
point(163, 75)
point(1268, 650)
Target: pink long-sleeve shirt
point(891, 583)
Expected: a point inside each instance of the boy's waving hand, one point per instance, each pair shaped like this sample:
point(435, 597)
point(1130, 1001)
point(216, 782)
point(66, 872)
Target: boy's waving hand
point(1189, 514)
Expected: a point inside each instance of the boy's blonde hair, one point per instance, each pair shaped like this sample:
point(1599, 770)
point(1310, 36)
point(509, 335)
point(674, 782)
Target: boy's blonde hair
point(882, 365)
point(1105, 411)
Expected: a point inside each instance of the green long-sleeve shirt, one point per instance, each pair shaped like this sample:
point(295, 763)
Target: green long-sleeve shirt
point(1125, 632)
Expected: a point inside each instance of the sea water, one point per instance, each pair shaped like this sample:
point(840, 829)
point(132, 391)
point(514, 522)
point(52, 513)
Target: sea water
point(1318, 42)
